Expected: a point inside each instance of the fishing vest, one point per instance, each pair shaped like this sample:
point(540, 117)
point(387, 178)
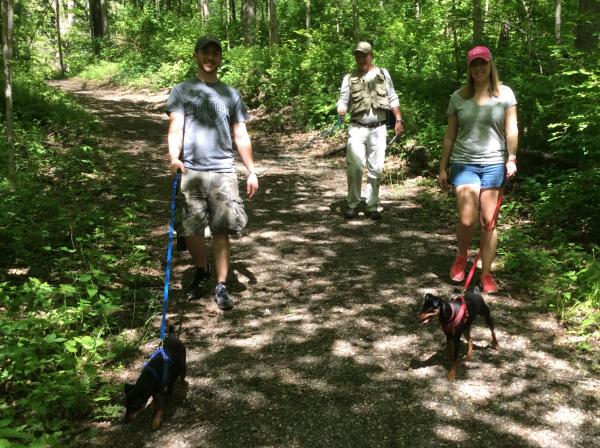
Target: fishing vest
point(365, 95)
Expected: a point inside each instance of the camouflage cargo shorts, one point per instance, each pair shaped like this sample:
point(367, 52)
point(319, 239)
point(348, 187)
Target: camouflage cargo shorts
point(210, 199)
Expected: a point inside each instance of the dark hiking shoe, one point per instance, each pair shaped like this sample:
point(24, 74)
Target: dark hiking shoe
point(374, 215)
point(350, 213)
point(222, 298)
point(197, 286)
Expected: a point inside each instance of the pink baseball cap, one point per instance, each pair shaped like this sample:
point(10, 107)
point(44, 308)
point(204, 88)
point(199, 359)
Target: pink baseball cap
point(479, 52)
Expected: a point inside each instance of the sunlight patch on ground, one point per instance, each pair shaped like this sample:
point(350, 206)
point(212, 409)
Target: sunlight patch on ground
point(254, 343)
point(382, 239)
point(450, 433)
point(552, 363)
point(344, 349)
point(290, 377)
point(396, 344)
point(535, 436)
point(565, 415)
point(475, 392)
point(442, 408)
point(542, 323)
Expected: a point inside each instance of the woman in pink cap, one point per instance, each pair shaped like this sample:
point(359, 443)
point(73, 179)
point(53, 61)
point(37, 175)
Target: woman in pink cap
point(479, 153)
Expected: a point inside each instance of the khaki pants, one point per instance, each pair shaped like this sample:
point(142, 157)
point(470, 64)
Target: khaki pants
point(365, 147)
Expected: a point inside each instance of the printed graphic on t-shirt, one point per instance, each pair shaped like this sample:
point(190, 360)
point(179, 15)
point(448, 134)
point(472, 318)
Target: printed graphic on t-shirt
point(210, 111)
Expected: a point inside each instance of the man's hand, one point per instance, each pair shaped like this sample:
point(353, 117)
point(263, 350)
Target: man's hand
point(176, 165)
point(399, 127)
point(251, 184)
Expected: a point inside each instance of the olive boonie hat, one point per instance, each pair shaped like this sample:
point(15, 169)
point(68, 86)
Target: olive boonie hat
point(204, 41)
point(364, 47)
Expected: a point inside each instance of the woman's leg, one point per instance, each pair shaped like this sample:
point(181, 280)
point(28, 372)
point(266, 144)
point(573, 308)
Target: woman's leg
point(467, 202)
point(489, 232)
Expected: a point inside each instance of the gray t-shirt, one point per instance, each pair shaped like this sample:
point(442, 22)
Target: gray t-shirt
point(481, 138)
point(210, 110)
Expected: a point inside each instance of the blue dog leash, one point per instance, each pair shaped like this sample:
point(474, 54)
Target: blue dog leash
point(169, 254)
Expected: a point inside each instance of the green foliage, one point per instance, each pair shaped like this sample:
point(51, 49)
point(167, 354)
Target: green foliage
point(567, 207)
point(66, 279)
point(51, 342)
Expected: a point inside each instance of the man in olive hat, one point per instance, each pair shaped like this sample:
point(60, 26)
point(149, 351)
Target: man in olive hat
point(206, 117)
point(367, 94)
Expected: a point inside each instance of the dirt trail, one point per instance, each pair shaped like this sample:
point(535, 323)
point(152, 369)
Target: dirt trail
point(323, 347)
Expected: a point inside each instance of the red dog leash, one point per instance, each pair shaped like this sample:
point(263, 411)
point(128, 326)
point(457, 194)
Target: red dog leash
point(491, 226)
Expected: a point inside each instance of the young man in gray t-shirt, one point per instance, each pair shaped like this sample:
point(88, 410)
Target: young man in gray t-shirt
point(205, 117)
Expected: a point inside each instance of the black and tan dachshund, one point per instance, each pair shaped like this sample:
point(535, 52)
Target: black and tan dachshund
point(455, 317)
point(157, 379)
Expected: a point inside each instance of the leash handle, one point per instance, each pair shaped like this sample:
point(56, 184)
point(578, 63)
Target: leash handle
point(169, 255)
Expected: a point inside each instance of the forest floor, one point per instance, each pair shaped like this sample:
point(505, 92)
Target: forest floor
point(324, 347)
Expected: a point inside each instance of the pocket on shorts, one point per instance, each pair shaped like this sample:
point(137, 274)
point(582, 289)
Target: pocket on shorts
point(227, 208)
point(240, 218)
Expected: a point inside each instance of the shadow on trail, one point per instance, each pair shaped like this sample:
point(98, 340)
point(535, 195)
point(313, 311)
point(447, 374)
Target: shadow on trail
point(323, 347)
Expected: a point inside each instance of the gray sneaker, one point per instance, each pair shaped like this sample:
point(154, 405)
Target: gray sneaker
point(197, 286)
point(224, 301)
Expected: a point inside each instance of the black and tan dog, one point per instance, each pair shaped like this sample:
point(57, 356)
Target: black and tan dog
point(455, 317)
point(158, 376)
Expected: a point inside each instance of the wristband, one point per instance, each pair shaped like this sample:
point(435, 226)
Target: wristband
point(250, 173)
point(512, 160)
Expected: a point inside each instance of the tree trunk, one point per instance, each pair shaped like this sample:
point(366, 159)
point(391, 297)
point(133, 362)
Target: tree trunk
point(248, 21)
point(98, 23)
point(477, 22)
point(557, 20)
point(7, 56)
point(274, 38)
point(203, 6)
point(504, 37)
point(355, 21)
point(68, 24)
point(232, 10)
point(588, 26)
point(458, 65)
point(307, 21)
point(59, 40)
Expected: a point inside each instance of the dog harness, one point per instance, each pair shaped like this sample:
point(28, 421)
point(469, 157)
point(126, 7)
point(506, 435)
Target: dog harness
point(459, 314)
point(152, 370)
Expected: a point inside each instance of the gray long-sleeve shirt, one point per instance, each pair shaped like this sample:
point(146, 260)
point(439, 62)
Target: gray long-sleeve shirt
point(371, 116)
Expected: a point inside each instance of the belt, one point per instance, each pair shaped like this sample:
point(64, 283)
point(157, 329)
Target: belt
point(370, 125)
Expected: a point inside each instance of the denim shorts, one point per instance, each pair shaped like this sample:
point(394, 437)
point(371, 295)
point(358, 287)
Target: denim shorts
point(209, 198)
point(483, 176)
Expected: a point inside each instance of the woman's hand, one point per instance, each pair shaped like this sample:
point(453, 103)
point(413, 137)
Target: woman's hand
point(443, 179)
point(511, 168)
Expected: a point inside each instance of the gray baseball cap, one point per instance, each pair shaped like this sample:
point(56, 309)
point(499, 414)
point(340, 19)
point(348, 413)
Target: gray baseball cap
point(364, 47)
point(204, 41)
